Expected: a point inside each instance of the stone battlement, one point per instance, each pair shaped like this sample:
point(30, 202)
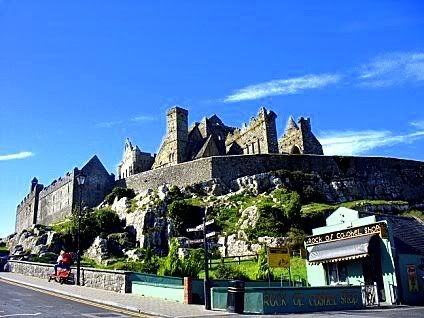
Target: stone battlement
point(262, 117)
point(58, 183)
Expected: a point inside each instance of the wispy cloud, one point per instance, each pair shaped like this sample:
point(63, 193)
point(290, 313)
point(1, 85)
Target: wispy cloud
point(134, 119)
point(142, 118)
point(393, 69)
point(361, 142)
point(18, 155)
point(419, 124)
point(109, 124)
point(282, 87)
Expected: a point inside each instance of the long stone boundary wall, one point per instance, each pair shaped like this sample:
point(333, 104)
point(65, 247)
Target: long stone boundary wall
point(117, 281)
point(374, 177)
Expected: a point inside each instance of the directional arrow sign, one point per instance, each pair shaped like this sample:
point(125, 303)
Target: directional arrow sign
point(197, 241)
point(212, 244)
point(211, 234)
point(200, 226)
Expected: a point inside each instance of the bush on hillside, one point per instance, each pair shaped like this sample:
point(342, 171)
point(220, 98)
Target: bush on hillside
point(224, 271)
point(119, 193)
point(183, 215)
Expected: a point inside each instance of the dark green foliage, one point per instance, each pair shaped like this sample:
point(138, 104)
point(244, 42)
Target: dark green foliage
point(172, 265)
point(175, 194)
point(93, 223)
point(224, 271)
point(107, 221)
point(295, 238)
point(276, 214)
point(183, 215)
point(193, 264)
point(119, 193)
point(301, 182)
point(271, 222)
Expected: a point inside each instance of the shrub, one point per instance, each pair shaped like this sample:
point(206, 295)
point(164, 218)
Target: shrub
point(119, 193)
point(183, 215)
point(263, 271)
point(107, 221)
point(171, 265)
point(229, 272)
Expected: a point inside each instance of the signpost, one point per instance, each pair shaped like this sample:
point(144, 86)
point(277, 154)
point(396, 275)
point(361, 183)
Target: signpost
point(279, 257)
point(203, 228)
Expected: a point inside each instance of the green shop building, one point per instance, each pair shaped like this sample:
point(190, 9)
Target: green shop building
point(382, 253)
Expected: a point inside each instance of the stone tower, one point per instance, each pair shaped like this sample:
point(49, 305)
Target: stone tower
point(299, 139)
point(173, 148)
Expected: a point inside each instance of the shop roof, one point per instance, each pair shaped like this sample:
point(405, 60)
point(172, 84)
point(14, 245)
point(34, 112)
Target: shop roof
point(408, 232)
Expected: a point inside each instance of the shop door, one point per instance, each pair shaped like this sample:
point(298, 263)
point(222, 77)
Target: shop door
point(371, 268)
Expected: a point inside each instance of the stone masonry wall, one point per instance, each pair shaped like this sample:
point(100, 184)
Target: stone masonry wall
point(181, 175)
point(117, 281)
point(56, 200)
point(259, 136)
point(364, 177)
point(26, 211)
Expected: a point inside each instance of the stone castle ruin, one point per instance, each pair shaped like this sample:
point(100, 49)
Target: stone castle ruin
point(211, 137)
point(46, 205)
point(209, 152)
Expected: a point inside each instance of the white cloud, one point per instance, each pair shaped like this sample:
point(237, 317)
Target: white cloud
point(419, 124)
point(18, 155)
point(392, 69)
point(282, 87)
point(109, 124)
point(361, 142)
point(142, 118)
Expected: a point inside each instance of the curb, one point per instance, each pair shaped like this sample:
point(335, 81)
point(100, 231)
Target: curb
point(76, 296)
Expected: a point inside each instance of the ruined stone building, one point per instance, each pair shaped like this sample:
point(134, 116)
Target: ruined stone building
point(46, 205)
point(299, 139)
point(211, 137)
point(134, 161)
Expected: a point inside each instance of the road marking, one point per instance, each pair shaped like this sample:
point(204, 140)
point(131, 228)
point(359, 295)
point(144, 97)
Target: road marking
point(79, 300)
point(18, 315)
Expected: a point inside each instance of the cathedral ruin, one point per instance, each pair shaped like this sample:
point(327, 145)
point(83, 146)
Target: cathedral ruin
point(211, 137)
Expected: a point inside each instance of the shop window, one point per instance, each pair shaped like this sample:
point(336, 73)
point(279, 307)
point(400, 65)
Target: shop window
point(336, 273)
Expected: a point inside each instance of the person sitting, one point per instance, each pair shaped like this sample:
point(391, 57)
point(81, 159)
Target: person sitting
point(63, 261)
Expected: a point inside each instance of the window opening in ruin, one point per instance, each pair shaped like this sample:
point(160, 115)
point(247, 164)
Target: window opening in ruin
point(295, 150)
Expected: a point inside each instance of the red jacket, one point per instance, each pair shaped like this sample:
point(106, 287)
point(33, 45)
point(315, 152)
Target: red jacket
point(66, 258)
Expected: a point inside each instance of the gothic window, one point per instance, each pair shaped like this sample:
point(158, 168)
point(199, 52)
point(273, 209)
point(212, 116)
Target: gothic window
point(259, 146)
point(253, 148)
point(98, 186)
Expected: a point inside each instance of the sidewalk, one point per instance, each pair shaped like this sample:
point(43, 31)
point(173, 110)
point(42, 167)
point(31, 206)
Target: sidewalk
point(136, 303)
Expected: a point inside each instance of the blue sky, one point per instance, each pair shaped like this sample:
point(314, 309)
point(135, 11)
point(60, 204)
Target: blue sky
point(78, 77)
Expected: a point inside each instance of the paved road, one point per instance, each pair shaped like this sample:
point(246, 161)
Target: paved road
point(18, 301)
point(399, 312)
